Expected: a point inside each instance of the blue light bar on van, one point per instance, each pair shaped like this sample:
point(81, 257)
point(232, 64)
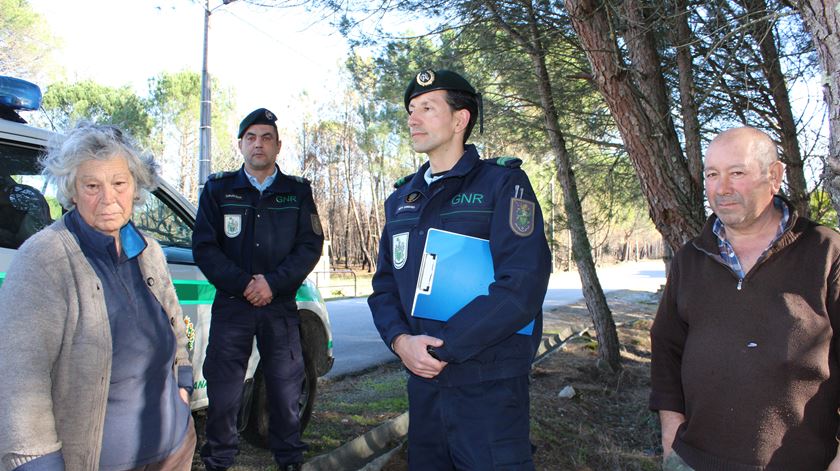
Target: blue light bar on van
point(19, 94)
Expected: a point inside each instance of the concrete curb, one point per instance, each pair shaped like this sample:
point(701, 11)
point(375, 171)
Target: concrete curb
point(360, 451)
point(369, 452)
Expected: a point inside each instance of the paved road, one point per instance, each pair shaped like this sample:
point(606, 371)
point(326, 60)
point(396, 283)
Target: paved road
point(357, 344)
point(564, 287)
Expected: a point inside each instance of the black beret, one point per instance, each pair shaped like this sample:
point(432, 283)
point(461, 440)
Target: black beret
point(258, 116)
point(429, 80)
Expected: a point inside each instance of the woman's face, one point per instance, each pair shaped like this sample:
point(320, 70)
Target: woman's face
point(105, 194)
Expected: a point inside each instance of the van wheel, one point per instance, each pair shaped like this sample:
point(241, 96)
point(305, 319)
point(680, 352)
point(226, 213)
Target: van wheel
point(257, 430)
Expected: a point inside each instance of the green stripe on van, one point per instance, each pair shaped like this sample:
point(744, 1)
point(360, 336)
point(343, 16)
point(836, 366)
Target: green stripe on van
point(2, 277)
point(203, 292)
point(308, 292)
point(194, 291)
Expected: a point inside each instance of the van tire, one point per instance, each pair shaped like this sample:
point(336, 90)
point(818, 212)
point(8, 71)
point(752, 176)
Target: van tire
point(256, 431)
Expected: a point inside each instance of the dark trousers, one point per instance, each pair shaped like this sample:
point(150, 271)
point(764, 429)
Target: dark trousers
point(232, 331)
point(483, 426)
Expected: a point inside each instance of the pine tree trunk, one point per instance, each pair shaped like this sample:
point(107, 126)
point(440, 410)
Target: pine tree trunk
point(762, 31)
point(822, 19)
point(638, 104)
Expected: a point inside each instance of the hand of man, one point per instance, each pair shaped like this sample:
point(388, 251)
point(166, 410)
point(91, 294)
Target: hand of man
point(835, 463)
point(670, 422)
point(258, 292)
point(185, 396)
point(412, 351)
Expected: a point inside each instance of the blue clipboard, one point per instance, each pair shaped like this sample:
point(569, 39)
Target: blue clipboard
point(455, 269)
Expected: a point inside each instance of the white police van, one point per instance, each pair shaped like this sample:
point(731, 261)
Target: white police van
point(27, 204)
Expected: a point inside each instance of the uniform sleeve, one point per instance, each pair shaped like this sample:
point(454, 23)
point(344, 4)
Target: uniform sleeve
point(220, 270)
point(667, 337)
point(309, 242)
point(384, 302)
point(522, 265)
point(32, 323)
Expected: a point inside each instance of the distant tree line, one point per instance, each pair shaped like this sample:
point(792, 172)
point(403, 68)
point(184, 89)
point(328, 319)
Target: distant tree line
point(610, 105)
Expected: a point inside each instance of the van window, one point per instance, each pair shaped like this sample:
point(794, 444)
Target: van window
point(159, 221)
point(26, 204)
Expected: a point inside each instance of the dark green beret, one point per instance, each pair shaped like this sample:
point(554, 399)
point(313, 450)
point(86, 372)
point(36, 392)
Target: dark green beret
point(429, 80)
point(258, 116)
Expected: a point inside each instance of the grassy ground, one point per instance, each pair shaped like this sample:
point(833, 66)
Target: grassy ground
point(351, 406)
point(343, 285)
point(605, 427)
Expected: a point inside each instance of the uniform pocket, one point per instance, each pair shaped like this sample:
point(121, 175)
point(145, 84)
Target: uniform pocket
point(471, 223)
point(512, 455)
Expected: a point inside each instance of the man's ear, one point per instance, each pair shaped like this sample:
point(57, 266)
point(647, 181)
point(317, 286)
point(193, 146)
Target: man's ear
point(777, 172)
point(462, 118)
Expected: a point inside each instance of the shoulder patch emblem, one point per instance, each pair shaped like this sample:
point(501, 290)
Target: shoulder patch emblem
point(412, 197)
point(233, 225)
point(522, 216)
point(399, 249)
point(316, 224)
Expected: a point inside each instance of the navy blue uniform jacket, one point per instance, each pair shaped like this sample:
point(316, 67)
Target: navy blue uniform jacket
point(240, 233)
point(474, 198)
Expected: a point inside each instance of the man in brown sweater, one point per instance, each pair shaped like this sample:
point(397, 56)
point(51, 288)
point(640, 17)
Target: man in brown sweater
point(745, 370)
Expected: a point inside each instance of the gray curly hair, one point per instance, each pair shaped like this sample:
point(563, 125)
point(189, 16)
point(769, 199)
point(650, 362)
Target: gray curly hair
point(88, 141)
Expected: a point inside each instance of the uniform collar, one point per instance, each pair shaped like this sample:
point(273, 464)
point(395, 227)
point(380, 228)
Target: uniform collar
point(265, 183)
point(279, 185)
point(465, 164)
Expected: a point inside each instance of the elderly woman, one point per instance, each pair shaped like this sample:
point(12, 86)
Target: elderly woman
point(94, 370)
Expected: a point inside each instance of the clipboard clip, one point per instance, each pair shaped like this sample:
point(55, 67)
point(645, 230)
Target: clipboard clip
point(427, 273)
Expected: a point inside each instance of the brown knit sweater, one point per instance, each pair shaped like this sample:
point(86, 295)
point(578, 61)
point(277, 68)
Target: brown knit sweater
point(755, 370)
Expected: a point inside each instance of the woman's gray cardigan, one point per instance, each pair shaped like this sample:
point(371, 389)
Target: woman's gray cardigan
point(55, 348)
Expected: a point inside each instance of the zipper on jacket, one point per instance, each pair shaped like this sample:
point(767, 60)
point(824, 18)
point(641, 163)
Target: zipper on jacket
point(740, 282)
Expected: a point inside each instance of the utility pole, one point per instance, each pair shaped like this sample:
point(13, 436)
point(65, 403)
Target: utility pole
point(204, 125)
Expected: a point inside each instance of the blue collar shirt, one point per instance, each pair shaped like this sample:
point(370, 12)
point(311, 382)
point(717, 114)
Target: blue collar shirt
point(265, 184)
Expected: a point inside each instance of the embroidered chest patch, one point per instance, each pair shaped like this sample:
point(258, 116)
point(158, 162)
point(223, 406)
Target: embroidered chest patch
point(399, 249)
point(521, 217)
point(233, 225)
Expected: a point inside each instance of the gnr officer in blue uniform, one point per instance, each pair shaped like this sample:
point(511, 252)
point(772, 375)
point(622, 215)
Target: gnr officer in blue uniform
point(257, 235)
point(468, 388)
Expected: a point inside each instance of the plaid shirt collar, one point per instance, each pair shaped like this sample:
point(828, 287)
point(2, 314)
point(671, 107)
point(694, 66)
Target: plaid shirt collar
point(727, 253)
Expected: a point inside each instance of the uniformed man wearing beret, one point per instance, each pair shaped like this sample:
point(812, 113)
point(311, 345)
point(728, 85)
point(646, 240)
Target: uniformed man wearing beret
point(257, 236)
point(468, 388)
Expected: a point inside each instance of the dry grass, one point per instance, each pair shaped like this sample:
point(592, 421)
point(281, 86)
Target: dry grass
point(605, 427)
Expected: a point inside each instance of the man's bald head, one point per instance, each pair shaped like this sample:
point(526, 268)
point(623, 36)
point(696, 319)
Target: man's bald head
point(755, 142)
